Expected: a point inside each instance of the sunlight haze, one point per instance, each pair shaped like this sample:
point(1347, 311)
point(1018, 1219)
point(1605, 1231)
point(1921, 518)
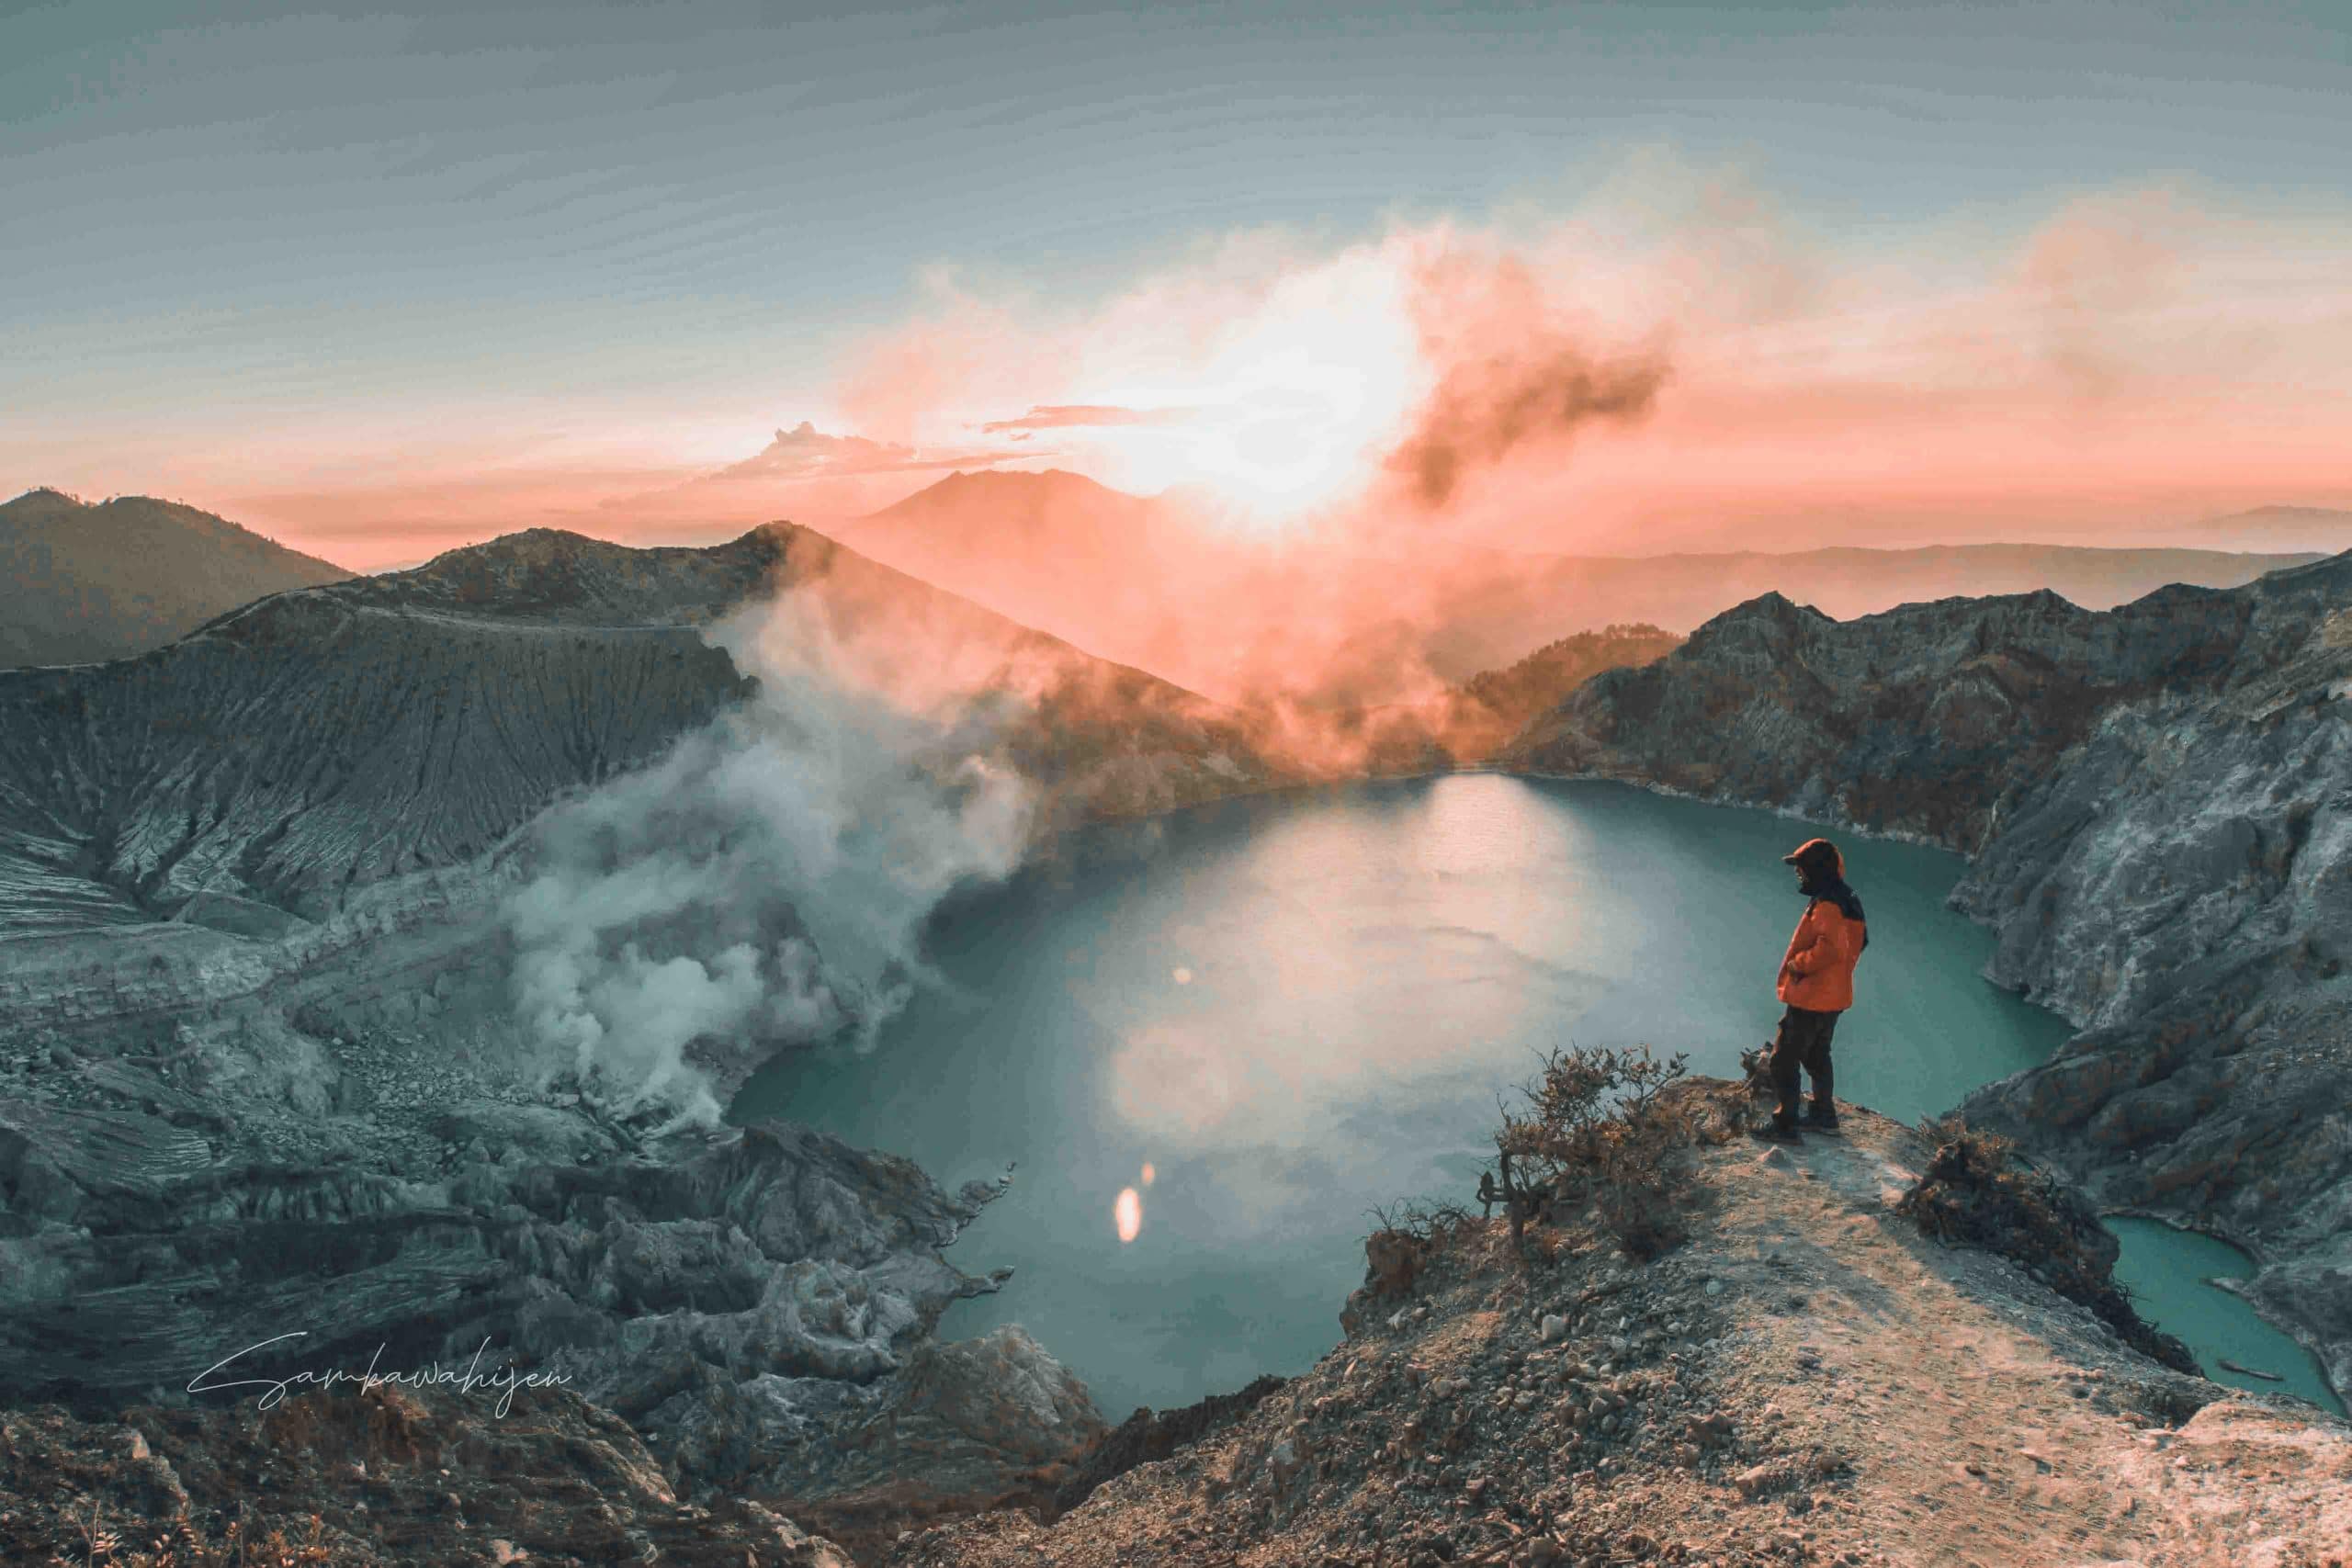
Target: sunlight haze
point(653, 272)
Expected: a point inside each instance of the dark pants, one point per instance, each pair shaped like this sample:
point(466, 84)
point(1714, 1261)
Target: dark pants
point(1803, 1041)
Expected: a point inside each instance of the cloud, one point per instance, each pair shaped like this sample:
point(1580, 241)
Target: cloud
point(805, 452)
point(1377, 431)
point(807, 472)
point(1290, 381)
point(2092, 277)
point(1677, 362)
point(1673, 362)
point(1065, 416)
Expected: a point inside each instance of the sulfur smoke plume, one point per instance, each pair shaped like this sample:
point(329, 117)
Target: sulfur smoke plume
point(1482, 413)
point(1515, 373)
point(765, 883)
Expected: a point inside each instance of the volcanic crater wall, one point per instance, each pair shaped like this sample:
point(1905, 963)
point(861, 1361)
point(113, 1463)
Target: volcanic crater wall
point(2155, 801)
point(261, 1068)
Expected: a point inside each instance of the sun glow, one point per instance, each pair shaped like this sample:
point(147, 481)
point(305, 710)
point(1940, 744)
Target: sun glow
point(1290, 403)
point(1128, 1214)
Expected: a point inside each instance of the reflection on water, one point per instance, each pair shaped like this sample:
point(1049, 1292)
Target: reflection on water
point(1296, 1006)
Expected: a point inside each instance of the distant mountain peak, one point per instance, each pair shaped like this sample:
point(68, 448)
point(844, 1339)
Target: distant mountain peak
point(48, 498)
point(82, 581)
point(2279, 509)
point(1039, 486)
point(2278, 525)
point(1770, 605)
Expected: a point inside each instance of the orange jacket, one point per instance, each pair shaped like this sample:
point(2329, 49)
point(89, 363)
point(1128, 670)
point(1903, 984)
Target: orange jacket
point(1818, 972)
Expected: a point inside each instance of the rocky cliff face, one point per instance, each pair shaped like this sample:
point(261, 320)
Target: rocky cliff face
point(2154, 801)
point(267, 1068)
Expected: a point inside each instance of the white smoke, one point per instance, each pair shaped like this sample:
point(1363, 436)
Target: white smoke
point(766, 882)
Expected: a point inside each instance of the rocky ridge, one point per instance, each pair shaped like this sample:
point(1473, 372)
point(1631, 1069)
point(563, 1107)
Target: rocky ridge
point(2153, 800)
point(1807, 1379)
point(337, 735)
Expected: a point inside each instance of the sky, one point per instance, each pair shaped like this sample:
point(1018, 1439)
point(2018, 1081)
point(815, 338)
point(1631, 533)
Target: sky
point(1607, 277)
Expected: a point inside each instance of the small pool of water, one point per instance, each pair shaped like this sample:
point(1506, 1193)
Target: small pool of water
point(2167, 1273)
point(1266, 1016)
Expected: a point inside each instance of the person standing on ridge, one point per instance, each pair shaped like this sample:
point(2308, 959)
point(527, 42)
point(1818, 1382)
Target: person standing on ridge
point(1817, 983)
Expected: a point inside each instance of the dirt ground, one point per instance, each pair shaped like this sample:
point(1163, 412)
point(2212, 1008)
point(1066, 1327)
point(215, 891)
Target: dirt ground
point(1807, 1379)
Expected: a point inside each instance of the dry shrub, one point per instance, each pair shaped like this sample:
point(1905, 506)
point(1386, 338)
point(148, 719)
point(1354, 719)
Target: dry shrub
point(1599, 1125)
point(1405, 1237)
point(1976, 1191)
point(181, 1544)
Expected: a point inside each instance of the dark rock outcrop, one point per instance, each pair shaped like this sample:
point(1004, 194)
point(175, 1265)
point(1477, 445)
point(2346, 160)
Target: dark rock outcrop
point(338, 736)
point(382, 1479)
point(2155, 801)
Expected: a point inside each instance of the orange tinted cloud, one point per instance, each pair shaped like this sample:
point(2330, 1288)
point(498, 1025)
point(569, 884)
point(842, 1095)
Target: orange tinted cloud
point(805, 452)
point(1679, 367)
point(1071, 416)
point(1512, 374)
point(1672, 365)
point(2136, 351)
point(805, 474)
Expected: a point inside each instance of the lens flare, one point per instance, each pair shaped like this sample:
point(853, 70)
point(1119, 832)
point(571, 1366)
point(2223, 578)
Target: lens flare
point(1128, 1214)
point(1149, 1174)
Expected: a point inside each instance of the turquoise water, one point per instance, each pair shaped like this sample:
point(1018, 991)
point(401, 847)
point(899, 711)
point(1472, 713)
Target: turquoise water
point(1295, 1007)
point(2166, 1270)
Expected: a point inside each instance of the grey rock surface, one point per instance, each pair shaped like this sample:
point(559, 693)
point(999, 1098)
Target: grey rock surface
point(2157, 804)
point(262, 1070)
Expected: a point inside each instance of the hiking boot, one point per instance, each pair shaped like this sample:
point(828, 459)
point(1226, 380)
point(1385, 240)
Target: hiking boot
point(1821, 1118)
point(1777, 1133)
